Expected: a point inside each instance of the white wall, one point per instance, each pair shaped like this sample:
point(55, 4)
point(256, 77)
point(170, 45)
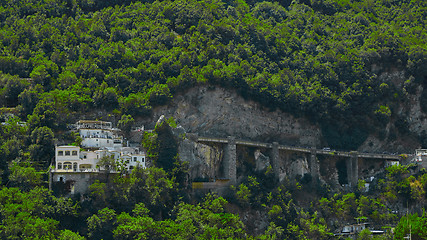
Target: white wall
point(85, 133)
point(97, 142)
point(92, 158)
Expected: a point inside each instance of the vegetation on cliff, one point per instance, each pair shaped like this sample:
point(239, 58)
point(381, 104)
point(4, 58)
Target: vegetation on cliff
point(316, 58)
point(321, 59)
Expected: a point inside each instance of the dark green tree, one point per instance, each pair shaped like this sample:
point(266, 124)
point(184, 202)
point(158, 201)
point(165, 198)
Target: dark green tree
point(42, 149)
point(125, 124)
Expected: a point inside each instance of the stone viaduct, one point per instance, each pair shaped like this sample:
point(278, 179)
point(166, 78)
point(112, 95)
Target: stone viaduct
point(351, 158)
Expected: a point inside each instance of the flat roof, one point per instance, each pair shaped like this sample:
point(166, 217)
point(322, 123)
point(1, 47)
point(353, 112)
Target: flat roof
point(97, 129)
point(92, 121)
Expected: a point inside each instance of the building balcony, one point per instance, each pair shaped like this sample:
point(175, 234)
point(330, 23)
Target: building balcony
point(87, 170)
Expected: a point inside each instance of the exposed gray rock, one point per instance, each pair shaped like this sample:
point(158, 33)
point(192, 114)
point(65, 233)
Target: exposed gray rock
point(262, 161)
point(204, 160)
point(417, 120)
point(299, 167)
point(217, 112)
point(160, 120)
point(221, 113)
point(179, 132)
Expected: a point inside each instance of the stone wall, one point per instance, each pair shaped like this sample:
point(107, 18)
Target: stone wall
point(76, 182)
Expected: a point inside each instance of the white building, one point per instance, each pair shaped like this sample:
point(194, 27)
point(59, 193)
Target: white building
point(71, 159)
point(67, 158)
point(93, 124)
point(354, 228)
point(420, 155)
point(390, 163)
point(75, 169)
point(98, 134)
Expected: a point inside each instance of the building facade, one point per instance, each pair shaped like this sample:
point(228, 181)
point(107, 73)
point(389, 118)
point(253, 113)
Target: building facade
point(98, 134)
point(71, 159)
point(77, 168)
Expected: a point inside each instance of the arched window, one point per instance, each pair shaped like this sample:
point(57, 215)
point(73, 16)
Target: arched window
point(67, 165)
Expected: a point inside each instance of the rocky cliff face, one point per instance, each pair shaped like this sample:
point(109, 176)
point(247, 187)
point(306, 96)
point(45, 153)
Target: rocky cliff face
point(408, 123)
point(221, 113)
point(217, 112)
point(204, 160)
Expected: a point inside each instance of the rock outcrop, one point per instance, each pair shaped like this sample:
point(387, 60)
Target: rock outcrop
point(220, 113)
point(262, 162)
point(204, 160)
point(217, 112)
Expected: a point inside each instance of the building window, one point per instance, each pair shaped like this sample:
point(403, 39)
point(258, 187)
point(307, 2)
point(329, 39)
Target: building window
point(74, 166)
point(84, 156)
point(67, 153)
point(74, 153)
point(143, 159)
point(60, 153)
point(67, 165)
point(135, 159)
point(108, 141)
point(59, 165)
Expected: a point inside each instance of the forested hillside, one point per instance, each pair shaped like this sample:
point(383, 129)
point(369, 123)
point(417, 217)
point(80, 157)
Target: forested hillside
point(324, 60)
point(320, 59)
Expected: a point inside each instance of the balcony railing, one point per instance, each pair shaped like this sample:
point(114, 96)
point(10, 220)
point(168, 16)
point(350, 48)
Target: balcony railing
point(77, 170)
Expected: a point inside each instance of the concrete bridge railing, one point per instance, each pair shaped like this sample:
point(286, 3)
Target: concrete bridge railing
point(300, 149)
point(231, 155)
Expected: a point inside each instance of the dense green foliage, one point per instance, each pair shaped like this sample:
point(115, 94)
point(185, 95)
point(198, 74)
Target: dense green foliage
point(149, 205)
point(207, 220)
point(162, 145)
point(318, 58)
point(33, 215)
point(155, 204)
point(412, 225)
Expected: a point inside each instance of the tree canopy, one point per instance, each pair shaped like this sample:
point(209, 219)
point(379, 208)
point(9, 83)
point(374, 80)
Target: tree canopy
point(321, 59)
point(347, 65)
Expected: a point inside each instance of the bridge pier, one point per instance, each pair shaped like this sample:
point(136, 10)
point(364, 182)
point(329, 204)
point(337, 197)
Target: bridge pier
point(314, 165)
point(230, 167)
point(275, 159)
point(352, 169)
point(230, 157)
